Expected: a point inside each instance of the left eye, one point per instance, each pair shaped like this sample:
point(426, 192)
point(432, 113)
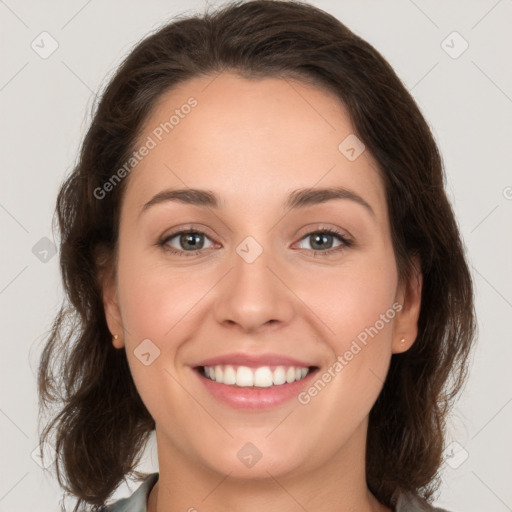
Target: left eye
point(322, 241)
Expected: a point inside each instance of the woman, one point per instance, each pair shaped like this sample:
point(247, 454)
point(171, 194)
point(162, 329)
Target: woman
point(263, 267)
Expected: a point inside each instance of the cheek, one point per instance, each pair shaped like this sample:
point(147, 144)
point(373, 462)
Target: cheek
point(154, 297)
point(358, 308)
point(359, 311)
point(156, 303)
point(354, 298)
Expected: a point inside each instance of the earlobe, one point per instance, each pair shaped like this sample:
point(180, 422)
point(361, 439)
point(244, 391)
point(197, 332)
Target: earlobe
point(116, 341)
point(112, 313)
point(406, 324)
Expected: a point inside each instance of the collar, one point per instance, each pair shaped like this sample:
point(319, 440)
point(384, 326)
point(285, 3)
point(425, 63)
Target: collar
point(137, 502)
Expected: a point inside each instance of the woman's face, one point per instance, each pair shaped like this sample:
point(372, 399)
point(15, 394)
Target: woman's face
point(259, 286)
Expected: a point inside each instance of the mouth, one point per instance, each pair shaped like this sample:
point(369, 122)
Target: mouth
point(254, 388)
point(259, 377)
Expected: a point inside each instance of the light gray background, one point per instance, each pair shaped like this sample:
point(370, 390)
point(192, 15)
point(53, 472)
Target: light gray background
point(44, 111)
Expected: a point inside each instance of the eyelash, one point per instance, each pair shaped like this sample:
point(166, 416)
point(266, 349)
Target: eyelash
point(342, 238)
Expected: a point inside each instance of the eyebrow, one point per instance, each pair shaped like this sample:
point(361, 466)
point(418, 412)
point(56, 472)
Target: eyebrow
point(297, 199)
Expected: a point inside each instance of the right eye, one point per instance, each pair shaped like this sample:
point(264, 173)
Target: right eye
point(185, 241)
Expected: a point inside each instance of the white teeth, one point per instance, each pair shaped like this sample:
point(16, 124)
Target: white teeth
point(229, 376)
point(290, 374)
point(279, 376)
point(244, 376)
point(261, 377)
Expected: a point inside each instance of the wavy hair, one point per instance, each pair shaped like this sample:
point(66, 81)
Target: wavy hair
point(99, 425)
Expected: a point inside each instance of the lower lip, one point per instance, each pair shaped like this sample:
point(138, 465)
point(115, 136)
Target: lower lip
point(254, 398)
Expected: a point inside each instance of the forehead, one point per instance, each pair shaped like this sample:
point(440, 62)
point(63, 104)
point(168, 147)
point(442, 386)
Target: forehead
point(247, 139)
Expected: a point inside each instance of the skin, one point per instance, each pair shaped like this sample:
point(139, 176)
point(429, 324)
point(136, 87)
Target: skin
point(252, 142)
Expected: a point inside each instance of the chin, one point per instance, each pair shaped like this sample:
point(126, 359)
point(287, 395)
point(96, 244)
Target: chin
point(248, 462)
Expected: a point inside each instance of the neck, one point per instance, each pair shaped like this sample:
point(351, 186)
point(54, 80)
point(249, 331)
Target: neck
point(339, 484)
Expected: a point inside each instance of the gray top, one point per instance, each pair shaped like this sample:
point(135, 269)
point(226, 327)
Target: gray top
point(138, 500)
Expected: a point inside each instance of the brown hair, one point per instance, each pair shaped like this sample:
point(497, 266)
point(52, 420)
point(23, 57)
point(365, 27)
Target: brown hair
point(101, 424)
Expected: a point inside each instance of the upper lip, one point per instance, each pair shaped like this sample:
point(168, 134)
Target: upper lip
point(254, 360)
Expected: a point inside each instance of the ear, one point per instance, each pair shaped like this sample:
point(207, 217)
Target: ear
point(112, 311)
point(409, 296)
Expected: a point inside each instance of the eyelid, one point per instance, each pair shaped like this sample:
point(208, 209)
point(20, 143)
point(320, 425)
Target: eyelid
point(324, 227)
point(186, 228)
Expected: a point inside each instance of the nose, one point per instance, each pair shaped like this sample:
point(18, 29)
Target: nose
point(254, 296)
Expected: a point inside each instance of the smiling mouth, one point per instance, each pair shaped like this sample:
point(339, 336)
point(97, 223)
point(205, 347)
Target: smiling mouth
point(259, 377)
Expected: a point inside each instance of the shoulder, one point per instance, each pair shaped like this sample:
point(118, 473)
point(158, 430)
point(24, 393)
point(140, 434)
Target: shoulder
point(408, 502)
point(137, 501)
